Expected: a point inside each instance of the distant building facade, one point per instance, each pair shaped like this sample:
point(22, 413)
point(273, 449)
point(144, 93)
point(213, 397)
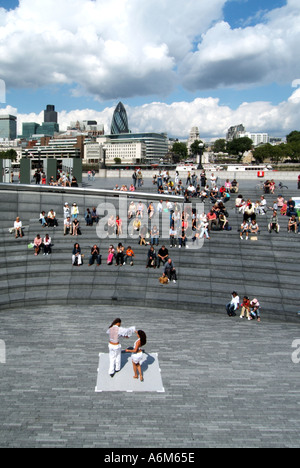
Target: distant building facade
point(155, 144)
point(48, 128)
point(58, 148)
point(235, 132)
point(29, 129)
point(90, 127)
point(239, 131)
point(194, 136)
point(50, 115)
point(8, 127)
point(257, 138)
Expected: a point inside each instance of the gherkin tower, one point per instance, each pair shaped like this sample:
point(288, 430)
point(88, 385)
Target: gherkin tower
point(119, 122)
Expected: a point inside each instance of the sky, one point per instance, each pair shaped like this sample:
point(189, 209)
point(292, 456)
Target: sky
point(174, 64)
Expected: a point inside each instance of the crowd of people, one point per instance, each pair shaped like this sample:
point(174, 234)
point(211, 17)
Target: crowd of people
point(63, 179)
point(197, 225)
point(195, 186)
point(280, 208)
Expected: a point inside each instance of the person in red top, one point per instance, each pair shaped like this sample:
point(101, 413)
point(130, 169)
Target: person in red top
point(245, 307)
point(212, 219)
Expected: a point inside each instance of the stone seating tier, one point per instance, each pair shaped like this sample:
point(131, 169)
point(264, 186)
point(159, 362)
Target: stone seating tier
point(266, 269)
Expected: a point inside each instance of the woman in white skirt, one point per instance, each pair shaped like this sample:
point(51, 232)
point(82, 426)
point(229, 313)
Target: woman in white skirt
point(115, 331)
point(137, 354)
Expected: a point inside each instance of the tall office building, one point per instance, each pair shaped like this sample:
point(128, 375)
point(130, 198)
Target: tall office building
point(50, 116)
point(32, 128)
point(29, 129)
point(8, 127)
point(119, 123)
point(235, 132)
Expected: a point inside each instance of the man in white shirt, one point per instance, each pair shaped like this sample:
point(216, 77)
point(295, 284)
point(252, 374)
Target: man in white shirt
point(51, 219)
point(191, 189)
point(233, 305)
point(213, 180)
point(68, 226)
point(159, 208)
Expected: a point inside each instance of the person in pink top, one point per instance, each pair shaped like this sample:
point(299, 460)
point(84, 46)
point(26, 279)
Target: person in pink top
point(38, 242)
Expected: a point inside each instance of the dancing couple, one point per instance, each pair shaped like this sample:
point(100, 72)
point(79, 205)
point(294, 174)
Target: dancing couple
point(115, 332)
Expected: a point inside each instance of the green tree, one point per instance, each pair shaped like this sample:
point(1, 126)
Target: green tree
point(262, 152)
point(9, 154)
point(277, 153)
point(239, 145)
point(220, 146)
point(180, 149)
point(197, 147)
point(293, 137)
point(118, 161)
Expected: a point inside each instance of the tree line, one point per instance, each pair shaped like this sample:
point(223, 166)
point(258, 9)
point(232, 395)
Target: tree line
point(237, 147)
point(9, 154)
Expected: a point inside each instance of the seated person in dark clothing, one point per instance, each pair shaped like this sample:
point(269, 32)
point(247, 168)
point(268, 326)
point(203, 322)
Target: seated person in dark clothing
point(95, 256)
point(151, 258)
point(163, 255)
point(88, 217)
point(267, 186)
point(95, 216)
point(74, 182)
point(120, 255)
point(291, 210)
point(170, 271)
point(214, 193)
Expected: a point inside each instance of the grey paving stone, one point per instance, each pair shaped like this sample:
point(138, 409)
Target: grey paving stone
point(233, 385)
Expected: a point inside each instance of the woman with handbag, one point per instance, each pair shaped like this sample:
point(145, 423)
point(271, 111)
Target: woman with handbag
point(76, 255)
point(120, 255)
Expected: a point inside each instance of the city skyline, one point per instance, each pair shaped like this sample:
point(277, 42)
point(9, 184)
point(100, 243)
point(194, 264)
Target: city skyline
point(174, 65)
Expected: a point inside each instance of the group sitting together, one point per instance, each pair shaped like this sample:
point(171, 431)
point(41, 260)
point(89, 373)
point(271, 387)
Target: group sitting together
point(250, 309)
point(251, 210)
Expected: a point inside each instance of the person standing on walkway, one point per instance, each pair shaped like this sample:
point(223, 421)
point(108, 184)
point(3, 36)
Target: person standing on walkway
point(134, 179)
point(115, 331)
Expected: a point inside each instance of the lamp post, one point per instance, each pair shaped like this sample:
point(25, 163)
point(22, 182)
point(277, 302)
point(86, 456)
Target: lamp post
point(104, 157)
point(39, 157)
point(201, 150)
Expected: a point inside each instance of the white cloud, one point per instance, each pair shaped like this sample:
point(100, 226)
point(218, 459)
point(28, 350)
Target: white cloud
point(261, 54)
point(212, 118)
point(109, 49)
point(126, 48)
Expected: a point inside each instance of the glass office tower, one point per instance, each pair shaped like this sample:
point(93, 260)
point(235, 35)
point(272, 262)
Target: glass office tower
point(8, 127)
point(50, 115)
point(119, 122)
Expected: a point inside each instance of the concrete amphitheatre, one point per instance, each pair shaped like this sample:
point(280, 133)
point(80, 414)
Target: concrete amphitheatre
point(227, 381)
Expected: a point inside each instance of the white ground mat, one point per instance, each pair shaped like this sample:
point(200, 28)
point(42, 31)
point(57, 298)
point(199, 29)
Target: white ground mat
point(123, 381)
